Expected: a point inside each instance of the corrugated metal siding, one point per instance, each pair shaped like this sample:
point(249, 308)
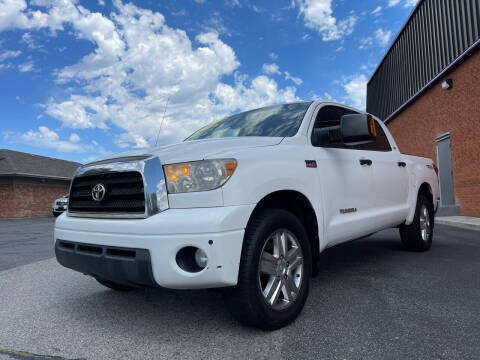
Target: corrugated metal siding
point(436, 34)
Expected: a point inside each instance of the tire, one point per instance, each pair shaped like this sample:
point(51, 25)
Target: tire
point(418, 235)
point(250, 301)
point(114, 286)
point(57, 214)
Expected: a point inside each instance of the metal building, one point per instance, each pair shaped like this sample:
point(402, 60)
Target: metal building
point(427, 90)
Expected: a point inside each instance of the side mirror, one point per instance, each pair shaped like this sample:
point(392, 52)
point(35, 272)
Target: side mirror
point(357, 129)
point(326, 136)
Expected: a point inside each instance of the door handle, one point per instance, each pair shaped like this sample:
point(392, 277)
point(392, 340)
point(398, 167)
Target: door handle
point(365, 162)
point(401, 164)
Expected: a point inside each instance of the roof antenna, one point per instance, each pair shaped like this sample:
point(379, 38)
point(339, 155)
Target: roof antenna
point(161, 124)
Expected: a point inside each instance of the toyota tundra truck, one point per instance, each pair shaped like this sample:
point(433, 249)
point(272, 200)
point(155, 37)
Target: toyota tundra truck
point(246, 204)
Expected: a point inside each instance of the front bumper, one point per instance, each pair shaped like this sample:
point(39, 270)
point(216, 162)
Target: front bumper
point(124, 266)
point(59, 208)
point(217, 231)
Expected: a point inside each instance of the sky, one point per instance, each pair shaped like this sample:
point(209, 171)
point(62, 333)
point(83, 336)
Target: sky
point(82, 79)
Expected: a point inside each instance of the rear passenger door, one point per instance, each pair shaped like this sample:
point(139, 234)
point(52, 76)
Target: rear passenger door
point(346, 182)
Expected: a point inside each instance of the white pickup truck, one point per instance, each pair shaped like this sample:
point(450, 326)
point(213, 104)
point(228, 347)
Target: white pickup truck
point(247, 204)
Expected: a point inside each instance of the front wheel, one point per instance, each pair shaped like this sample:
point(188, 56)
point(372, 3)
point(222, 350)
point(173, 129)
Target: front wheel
point(275, 271)
point(419, 234)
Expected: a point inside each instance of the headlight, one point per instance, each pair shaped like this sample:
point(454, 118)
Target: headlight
point(198, 175)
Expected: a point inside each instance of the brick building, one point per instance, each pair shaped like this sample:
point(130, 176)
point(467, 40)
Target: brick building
point(30, 183)
point(427, 90)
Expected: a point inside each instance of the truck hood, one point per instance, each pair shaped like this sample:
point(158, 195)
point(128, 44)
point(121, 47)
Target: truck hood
point(199, 149)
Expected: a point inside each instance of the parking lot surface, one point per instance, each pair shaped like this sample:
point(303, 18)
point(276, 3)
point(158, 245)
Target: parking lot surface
point(372, 300)
point(23, 241)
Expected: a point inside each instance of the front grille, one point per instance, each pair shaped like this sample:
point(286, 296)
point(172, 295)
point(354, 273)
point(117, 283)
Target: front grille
point(124, 193)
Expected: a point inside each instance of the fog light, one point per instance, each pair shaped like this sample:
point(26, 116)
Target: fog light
point(191, 259)
point(201, 258)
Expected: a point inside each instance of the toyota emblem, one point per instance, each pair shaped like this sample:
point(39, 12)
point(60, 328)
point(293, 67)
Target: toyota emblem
point(98, 192)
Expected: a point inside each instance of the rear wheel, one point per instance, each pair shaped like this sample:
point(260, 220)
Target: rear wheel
point(114, 286)
point(419, 234)
point(275, 271)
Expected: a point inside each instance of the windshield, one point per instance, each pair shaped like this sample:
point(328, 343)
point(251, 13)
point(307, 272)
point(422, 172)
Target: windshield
point(278, 120)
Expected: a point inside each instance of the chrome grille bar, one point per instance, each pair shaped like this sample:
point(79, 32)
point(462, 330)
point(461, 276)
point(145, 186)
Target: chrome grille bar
point(135, 188)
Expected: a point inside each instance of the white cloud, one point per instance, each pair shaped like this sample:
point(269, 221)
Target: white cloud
point(137, 63)
point(200, 1)
point(74, 138)
point(409, 3)
point(393, 2)
point(181, 12)
point(296, 80)
point(26, 67)
point(9, 13)
point(356, 89)
point(262, 90)
point(327, 96)
point(47, 138)
point(101, 2)
point(80, 112)
point(318, 15)
point(256, 9)
point(270, 69)
point(9, 54)
point(306, 36)
point(233, 3)
point(365, 43)
point(215, 24)
point(377, 10)
point(383, 36)
point(273, 56)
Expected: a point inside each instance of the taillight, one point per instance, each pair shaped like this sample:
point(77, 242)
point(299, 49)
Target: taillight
point(435, 168)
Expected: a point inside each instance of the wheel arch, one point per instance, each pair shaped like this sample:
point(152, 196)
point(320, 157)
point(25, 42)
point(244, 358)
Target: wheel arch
point(299, 205)
point(424, 189)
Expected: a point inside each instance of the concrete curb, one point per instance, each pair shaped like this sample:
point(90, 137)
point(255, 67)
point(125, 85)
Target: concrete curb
point(464, 222)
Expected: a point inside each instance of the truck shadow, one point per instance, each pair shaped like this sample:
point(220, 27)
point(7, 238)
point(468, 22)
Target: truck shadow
point(164, 309)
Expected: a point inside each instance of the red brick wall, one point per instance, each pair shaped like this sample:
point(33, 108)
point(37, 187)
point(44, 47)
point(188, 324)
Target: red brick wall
point(6, 200)
point(28, 200)
point(456, 111)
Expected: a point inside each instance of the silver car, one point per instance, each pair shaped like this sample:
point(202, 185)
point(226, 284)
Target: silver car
point(60, 205)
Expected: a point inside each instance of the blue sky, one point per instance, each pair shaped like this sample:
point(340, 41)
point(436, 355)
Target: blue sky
point(81, 79)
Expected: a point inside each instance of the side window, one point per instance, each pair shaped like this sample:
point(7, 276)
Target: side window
point(329, 116)
point(380, 144)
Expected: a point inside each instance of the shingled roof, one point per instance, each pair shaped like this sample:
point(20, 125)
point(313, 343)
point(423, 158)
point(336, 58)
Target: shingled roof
point(16, 163)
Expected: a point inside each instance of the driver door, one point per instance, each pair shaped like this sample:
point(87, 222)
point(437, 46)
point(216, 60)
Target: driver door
point(346, 180)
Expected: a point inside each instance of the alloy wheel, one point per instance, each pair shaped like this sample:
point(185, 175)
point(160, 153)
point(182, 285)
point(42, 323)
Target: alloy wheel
point(280, 271)
point(424, 223)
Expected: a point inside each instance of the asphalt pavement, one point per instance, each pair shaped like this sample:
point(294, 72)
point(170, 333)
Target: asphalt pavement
point(372, 300)
point(23, 241)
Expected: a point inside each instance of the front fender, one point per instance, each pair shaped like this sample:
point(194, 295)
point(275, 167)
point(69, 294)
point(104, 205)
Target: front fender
point(271, 170)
